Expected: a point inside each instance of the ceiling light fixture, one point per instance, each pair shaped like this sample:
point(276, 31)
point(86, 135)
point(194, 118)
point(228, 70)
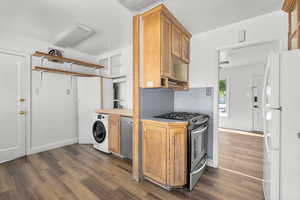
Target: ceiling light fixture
point(74, 36)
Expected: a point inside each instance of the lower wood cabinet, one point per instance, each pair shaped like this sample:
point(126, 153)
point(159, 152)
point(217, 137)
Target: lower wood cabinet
point(114, 123)
point(165, 152)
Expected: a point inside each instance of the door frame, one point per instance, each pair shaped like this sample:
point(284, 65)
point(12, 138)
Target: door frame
point(27, 97)
point(282, 44)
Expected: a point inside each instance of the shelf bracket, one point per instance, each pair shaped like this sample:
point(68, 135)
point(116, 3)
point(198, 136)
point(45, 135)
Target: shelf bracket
point(42, 61)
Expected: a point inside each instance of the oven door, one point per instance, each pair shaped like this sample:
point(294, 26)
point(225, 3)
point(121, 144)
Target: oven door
point(198, 147)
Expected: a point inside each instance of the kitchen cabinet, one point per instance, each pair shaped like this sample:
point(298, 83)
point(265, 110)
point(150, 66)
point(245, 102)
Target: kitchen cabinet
point(166, 68)
point(165, 50)
point(165, 153)
point(114, 133)
point(155, 153)
point(292, 7)
point(185, 48)
point(176, 41)
point(178, 156)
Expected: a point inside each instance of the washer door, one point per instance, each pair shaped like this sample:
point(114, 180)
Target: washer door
point(99, 131)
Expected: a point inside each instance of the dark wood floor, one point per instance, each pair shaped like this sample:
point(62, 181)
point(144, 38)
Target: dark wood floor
point(81, 172)
point(241, 152)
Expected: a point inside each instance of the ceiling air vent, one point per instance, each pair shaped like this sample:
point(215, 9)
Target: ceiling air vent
point(135, 5)
point(74, 36)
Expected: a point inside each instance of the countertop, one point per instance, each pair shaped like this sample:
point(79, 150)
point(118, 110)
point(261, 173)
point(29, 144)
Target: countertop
point(164, 120)
point(121, 112)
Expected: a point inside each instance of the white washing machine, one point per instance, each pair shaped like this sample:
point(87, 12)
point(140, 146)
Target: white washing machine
point(100, 132)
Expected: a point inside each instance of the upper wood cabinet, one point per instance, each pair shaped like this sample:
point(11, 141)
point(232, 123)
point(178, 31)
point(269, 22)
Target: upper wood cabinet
point(165, 50)
point(166, 58)
point(185, 48)
point(176, 41)
point(292, 7)
point(114, 123)
point(165, 152)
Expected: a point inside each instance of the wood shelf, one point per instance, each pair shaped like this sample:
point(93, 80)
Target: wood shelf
point(68, 60)
point(58, 71)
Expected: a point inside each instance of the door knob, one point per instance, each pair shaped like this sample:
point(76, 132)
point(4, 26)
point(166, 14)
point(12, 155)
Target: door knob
point(22, 112)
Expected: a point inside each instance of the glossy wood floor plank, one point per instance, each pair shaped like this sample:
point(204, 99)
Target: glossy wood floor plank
point(241, 153)
point(80, 172)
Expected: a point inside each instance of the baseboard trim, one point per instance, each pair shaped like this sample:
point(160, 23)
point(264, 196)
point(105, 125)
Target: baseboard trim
point(53, 146)
point(210, 163)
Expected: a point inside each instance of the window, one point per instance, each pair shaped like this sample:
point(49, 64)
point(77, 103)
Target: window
point(223, 97)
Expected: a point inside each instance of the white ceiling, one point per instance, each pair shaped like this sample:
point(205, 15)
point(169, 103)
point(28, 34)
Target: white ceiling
point(47, 19)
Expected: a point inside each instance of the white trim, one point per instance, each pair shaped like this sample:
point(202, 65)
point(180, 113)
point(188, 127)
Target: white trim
point(211, 163)
point(19, 155)
point(14, 53)
point(53, 146)
point(29, 103)
point(252, 43)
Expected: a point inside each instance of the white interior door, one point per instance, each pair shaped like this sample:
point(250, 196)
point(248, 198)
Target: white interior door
point(13, 103)
point(257, 91)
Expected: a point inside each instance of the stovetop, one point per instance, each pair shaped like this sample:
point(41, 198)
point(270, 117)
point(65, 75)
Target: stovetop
point(185, 116)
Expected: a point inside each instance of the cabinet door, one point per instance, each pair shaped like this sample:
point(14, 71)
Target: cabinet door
point(176, 41)
point(178, 157)
point(114, 134)
point(185, 48)
point(155, 153)
point(166, 28)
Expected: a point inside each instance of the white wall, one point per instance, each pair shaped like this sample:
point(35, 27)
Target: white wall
point(204, 56)
point(240, 82)
point(54, 112)
point(203, 70)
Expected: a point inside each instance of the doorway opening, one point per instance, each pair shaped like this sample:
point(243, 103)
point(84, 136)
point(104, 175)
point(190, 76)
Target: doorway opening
point(240, 127)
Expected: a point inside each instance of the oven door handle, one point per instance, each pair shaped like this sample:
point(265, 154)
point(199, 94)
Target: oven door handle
point(201, 168)
point(201, 130)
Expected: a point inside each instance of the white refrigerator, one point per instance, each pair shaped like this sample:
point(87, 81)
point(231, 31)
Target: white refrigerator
point(281, 110)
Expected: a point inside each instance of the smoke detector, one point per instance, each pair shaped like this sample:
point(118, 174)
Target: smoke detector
point(74, 35)
point(135, 5)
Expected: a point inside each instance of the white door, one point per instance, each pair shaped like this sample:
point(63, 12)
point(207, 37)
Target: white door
point(13, 105)
point(257, 90)
point(89, 100)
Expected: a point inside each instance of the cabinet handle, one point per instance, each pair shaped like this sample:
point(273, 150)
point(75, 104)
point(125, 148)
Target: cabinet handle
point(298, 135)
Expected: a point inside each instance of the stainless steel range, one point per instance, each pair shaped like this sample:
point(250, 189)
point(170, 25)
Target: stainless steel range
point(197, 139)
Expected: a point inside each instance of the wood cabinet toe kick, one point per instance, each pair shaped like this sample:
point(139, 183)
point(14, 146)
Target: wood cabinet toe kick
point(165, 152)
